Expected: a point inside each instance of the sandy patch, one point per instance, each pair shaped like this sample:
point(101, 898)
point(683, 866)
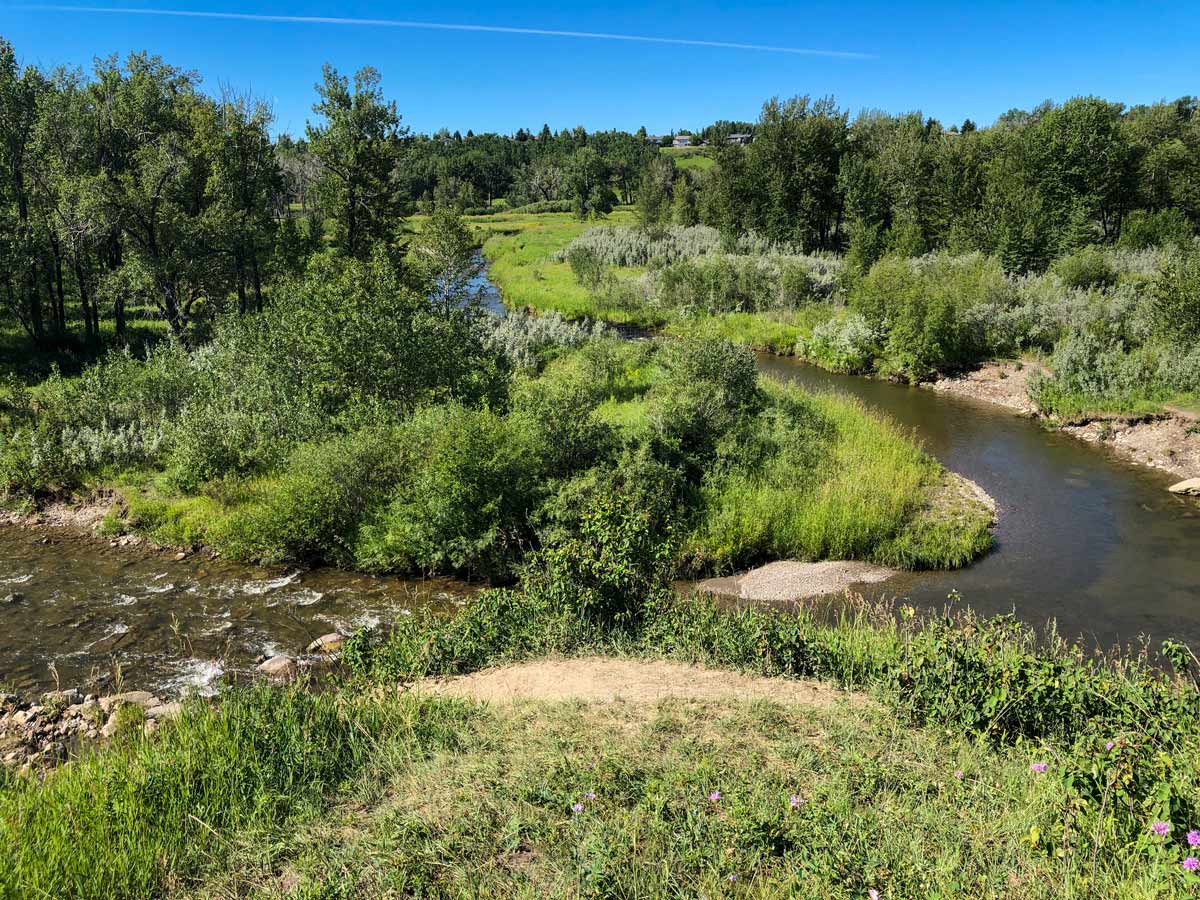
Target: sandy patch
point(1166, 443)
point(789, 580)
point(601, 679)
point(82, 514)
point(1002, 383)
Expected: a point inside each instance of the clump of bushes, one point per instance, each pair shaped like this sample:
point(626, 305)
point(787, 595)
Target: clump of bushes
point(919, 307)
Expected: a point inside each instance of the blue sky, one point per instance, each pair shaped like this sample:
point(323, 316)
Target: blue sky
point(949, 60)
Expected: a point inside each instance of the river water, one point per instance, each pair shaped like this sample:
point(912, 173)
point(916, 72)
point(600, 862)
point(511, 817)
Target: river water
point(1083, 538)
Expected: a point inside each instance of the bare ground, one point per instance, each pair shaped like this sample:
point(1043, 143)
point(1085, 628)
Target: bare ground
point(1161, 443)
point(1002, 383)
point(603, 679)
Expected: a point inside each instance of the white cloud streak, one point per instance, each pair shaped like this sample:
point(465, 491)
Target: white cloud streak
point(446, 26)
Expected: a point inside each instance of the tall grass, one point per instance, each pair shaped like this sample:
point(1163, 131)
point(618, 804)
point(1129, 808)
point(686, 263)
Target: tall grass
point(150, 815)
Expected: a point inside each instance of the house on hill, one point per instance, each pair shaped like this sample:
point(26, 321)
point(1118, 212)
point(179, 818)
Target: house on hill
point(681, 140)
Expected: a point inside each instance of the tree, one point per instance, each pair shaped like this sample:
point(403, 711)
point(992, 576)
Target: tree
point(685, 205)
point(587, 182)
point(655, 191)
point(445, 261)
point(22, 252)
point(245, 181)
point(355, 145)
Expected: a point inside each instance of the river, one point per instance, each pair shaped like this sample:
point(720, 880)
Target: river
point(1083, 538)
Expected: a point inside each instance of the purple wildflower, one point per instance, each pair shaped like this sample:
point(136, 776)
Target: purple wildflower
point(1109, 745)
point(1160, 828)
point(590, 795)
point(715, 796)
point(1038, 767)
point(732, 877)
point(958, 773)
point(1193, 838)
point(577, 808)
point(872, 894)
point(1191, 864)
point(795, 801)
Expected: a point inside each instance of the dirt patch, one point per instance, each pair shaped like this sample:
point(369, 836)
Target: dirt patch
point(601, 679)
point(1002, 383)
point(789, 580)
point(1169, 444)
point(82, 514)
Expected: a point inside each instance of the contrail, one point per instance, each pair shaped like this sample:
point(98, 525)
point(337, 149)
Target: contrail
point(448, 26)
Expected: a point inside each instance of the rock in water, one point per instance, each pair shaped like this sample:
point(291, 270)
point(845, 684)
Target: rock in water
point(1191, 487)
point(327, 643)
point(279, 668)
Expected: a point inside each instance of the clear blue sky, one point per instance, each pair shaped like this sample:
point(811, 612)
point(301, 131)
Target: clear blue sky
point(949, 60)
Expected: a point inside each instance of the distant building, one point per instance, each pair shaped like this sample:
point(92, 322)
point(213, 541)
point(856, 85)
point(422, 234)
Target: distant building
point(681, 140)
point(739, 138)
point(654, 139)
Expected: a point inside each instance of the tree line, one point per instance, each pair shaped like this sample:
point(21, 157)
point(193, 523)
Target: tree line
point(129, 187)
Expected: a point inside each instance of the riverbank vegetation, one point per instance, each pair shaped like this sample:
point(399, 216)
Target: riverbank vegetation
point(413, 435)
point(991, 761)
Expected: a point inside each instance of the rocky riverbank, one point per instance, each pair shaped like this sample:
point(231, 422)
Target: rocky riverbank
point(38, 734)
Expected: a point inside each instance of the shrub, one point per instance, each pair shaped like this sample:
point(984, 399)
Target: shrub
point(1142, 229)
point(609, 547)
point(1176, 299)
point(1085, 268)
point(528, 342)
point(313, 510)
point(843, 343)
point(460, 501)
point(587, 265)
point(921, 307)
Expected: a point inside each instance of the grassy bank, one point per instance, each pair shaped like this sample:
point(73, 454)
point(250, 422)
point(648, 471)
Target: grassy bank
point(462, 444)
point(992, 765)
point(1113, 327)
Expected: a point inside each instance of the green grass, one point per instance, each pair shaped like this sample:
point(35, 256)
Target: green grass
point(493, 817)
point(697, 158)
point(363, 791)
point(862, 490)
point(144, 817)
point(518, 247)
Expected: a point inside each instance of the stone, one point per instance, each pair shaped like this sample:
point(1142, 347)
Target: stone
point(181, 556)
point(327, 643)
point(70, 697)
point(144, 699)
point(281, 668)
point(164, 711)
point(1190, 488)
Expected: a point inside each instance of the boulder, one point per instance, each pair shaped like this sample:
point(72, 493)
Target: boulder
point(144, 699)
point(1191, 487)
point(279, 668)
point(164, 711)
point(327, 643)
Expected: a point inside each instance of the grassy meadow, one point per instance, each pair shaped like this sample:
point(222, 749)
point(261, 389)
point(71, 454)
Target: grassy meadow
point(913, 774)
